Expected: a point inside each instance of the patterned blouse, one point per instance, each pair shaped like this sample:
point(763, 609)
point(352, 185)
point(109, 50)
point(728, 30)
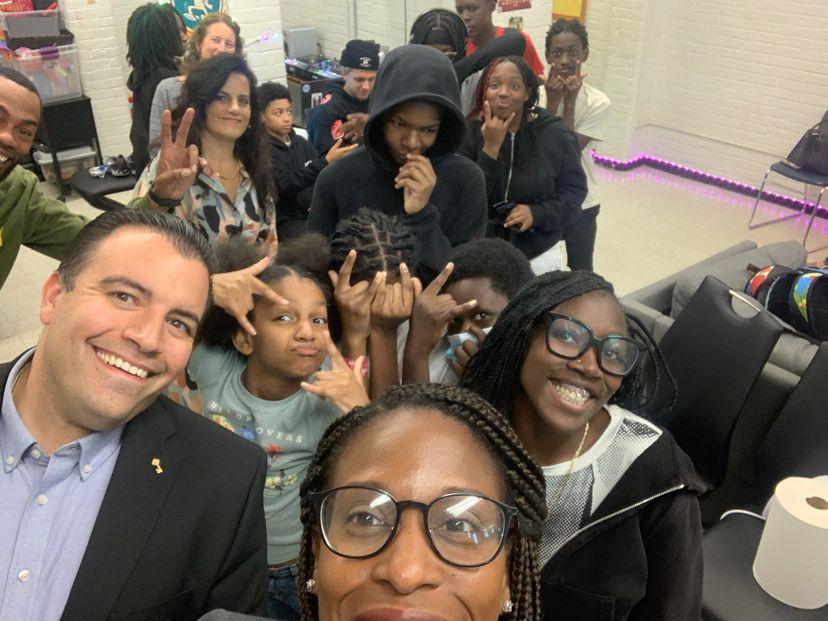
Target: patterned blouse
point(208, 207)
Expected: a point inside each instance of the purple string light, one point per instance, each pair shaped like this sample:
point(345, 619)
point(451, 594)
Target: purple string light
point(700, 175)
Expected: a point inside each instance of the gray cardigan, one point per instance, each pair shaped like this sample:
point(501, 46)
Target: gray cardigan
point(165, 98)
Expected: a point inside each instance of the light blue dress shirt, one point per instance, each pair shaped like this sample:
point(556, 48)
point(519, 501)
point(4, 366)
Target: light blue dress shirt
point(48, 508)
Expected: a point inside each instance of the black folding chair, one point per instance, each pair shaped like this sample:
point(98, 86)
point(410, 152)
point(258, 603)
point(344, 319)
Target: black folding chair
point(801, 176)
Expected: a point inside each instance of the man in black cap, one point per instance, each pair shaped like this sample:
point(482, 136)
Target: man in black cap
point(345, 108)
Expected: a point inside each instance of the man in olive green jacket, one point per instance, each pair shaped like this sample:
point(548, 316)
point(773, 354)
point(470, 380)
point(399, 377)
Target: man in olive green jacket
point(26, 216)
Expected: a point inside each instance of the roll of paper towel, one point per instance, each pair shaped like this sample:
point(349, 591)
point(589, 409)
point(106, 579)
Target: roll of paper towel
point(792, 560)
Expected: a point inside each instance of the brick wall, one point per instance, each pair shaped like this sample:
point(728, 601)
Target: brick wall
point(100, 35)
point(725, 87)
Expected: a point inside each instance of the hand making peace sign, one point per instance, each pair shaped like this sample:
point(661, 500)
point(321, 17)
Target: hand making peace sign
point(177, 163)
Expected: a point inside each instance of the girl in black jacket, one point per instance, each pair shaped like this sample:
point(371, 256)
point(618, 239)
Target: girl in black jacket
point(534, 181)
point(622, 539)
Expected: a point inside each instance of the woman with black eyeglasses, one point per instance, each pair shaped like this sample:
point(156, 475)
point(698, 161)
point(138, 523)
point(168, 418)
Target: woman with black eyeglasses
point(622, 539)
point(422, 505)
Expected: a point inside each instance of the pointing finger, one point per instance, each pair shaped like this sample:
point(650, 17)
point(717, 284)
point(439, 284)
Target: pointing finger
point(184, 129)
point(266, 292)
point(258, 267)
point(437, 284)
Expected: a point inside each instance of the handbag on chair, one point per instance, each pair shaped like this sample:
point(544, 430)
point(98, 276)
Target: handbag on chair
point(811, 152)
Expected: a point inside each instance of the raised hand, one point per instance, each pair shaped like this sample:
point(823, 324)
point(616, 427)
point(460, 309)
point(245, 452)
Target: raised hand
point(417, 179)
point(344, 386)
point(354, 126)
point(354, 303)
point(494, 131)
point(234, 291)
point(573, 83)
point(177, 163)
point(555, 88)
point(469, 349)
point(393, 304)
point(521, 217)
point(433, 311)
point(337, 151)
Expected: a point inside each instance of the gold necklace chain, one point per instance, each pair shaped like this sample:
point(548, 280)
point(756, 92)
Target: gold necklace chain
point(559, 492)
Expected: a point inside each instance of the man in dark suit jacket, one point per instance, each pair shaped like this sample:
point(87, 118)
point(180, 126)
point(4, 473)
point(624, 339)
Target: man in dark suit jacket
point(158, 514)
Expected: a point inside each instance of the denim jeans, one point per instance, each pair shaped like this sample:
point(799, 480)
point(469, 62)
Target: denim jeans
point(282, 594)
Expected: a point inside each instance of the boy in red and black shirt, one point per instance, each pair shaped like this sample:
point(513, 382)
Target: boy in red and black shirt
point(477, 15)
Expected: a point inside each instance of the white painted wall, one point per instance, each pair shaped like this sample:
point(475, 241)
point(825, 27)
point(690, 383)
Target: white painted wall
point(727, 87)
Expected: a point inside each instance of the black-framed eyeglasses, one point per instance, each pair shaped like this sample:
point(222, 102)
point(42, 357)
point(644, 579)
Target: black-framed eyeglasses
point(466, 530)
point(570, 338)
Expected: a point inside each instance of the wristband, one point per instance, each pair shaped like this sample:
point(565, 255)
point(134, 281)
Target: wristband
point(168, 203)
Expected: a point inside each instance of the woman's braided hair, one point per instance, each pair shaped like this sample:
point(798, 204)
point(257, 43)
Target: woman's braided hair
point(494, 372)
point(382, 242)
point(522, 480)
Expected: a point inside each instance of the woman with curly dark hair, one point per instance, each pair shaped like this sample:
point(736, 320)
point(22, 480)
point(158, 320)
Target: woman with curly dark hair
point(442, 521)
point(228, 191)
point(153, 49)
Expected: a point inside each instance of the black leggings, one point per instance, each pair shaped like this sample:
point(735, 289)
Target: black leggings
point(580, 239)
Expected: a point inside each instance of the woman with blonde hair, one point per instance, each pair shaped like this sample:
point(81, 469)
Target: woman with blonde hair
point(216, 34)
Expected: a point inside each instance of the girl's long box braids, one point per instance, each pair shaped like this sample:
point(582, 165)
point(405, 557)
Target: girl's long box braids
point(494, 373)
point(523, 482)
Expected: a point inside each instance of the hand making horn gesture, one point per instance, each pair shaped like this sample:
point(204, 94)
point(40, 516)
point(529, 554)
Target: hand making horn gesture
point(354, 301)
point(178, 164)
point(392, 304)
point(344, 386)
point(494, 131)
point(433, 311)
point(234, 291)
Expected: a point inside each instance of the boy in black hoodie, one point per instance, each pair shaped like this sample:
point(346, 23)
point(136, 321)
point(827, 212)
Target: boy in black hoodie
point(409, 166)
point(294, 162)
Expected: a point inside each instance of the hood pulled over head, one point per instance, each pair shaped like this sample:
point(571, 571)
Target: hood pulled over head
point(421, 73)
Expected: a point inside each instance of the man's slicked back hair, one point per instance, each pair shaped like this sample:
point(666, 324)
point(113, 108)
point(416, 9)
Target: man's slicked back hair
point(186, 239)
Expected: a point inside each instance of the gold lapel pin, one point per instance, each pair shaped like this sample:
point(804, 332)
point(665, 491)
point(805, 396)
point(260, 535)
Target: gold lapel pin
point(157, 463)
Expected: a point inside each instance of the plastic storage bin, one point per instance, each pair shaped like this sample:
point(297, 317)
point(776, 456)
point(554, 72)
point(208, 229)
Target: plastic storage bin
point(31, 23)
point(71, 161)
point(53, 70)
